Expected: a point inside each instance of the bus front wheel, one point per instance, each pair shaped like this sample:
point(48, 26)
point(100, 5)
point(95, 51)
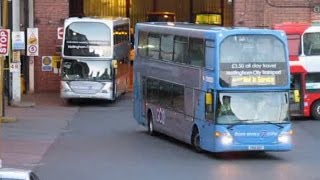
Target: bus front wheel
point(195, 140)
point(316, 110)
point(150, 124)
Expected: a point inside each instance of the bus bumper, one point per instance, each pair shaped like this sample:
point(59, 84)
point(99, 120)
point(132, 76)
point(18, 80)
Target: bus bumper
point(218, 146)
point(255, 147)
point(99, 95)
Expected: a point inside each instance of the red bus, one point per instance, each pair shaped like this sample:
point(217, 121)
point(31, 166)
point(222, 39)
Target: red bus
point(304, 52)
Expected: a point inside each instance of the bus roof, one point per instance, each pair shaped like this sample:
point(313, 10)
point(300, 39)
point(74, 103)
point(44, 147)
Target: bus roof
point(196, 27)
point(292, 27)
point(111, 19)
point(312, 29)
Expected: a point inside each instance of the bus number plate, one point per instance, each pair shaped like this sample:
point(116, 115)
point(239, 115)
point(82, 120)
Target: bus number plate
point(256, 147)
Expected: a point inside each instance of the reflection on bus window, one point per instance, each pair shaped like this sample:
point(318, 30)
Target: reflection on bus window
point(86, 70)
point(253, 107)
point(260, 48)
point(87, 39)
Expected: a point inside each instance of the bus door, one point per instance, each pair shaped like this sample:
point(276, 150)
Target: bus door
point(296, 107)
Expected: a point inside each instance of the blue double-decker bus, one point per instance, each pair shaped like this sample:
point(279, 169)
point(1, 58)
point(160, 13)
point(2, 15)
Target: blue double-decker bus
point(218, 89)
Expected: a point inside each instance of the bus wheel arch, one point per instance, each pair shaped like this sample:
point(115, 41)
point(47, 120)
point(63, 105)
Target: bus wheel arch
point(150, 123)
point(195, 139)
point(315, 110)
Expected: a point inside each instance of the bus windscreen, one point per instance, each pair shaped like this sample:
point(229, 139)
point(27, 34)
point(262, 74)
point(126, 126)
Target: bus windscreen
point(86, 70)
point(311, 44)
point(87, 39)
point(252, 60)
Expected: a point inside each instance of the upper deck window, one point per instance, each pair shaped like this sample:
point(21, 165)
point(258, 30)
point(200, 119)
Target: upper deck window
point(166, 47)
point(88, 39)
point(180, 49)
point(253, 60)
point(252, 48)
point(196, 52)
point(311, 44)
point(153, 45)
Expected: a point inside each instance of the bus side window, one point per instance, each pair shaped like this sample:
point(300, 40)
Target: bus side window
point(178, 98)
point(166, 47)
point(180, 49)
point(152, 91)
point(196, 52)
point(209, 60)
point(165, 92)
point(154, 45)
point(143, 43)
point(313, 82)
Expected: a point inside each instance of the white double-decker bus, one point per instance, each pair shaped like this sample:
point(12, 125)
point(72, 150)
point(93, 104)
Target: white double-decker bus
point(95, 58)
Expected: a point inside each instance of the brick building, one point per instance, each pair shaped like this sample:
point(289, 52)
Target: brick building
point(49, 15)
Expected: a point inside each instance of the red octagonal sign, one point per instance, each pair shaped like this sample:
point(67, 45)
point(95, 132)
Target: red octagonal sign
point(4, 41)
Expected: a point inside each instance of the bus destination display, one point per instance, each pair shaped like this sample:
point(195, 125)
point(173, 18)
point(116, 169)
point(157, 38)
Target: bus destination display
point(252, 74)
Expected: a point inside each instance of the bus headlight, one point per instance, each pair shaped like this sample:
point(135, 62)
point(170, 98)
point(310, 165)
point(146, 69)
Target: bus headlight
point(285, 138)
point(107, 88)
point(65, 87)
point(226, 138)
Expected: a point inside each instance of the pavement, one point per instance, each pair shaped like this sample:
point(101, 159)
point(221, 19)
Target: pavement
point(40, 119)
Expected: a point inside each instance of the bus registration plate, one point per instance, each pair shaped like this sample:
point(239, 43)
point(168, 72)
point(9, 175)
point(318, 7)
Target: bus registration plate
point(256, 147)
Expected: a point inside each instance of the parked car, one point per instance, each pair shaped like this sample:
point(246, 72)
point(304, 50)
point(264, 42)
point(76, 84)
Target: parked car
point(17, 174)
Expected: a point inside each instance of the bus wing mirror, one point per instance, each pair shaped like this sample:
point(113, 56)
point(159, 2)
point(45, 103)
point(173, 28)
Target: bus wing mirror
point(115, 64)
point(208, 100)
point(296, 96)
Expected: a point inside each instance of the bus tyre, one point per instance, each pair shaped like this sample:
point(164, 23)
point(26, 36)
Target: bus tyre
point(316, 110)
point(150, 125)
point(195, 140)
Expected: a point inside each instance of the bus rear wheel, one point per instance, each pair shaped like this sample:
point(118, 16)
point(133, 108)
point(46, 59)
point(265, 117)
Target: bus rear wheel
point(195, 140)
point(315, 111)
point(151, 131)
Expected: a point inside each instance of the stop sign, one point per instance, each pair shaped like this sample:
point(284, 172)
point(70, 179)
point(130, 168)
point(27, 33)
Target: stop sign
point(4, 41)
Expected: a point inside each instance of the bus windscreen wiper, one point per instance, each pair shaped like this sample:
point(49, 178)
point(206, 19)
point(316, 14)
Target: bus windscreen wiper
point(269, 122)
point(240, 122)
